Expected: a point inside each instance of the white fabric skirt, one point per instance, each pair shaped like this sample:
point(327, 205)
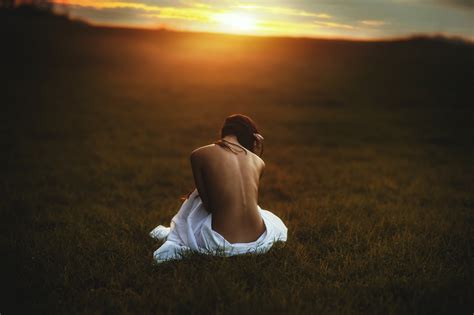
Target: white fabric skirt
point(191, 230)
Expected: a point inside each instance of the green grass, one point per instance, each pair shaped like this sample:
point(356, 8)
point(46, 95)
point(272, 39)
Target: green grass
point(369, 163)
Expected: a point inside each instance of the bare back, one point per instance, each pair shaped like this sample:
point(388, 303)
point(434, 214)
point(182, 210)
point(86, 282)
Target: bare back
point(228, 186)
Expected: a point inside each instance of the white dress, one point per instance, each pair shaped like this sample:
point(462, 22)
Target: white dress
point(191, 230)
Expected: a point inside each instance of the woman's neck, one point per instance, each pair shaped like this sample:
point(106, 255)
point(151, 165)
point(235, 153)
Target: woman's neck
point(231, 138)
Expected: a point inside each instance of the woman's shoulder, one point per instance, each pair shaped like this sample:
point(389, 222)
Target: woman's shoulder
point(208, 152)
point(202, 151)
point(257, 159)
point(260, 161)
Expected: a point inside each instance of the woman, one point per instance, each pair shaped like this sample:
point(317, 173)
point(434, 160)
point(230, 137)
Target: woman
point(222, 214)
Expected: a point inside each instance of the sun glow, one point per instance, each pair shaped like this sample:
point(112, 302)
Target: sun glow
point(236, 22)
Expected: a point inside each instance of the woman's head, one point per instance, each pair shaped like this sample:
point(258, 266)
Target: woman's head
point(245, 129)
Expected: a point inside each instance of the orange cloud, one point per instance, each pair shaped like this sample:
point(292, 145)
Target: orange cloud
point(105, 4)
point(195, 11)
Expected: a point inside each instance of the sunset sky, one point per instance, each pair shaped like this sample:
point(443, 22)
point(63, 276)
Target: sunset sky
point(328, 18)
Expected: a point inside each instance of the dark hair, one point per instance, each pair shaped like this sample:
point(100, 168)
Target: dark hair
point(243, 127)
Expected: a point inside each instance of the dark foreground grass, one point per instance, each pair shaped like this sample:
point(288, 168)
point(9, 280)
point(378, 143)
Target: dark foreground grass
point(369, 163)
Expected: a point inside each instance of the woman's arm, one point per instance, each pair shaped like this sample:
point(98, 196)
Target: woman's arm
point(197, 166)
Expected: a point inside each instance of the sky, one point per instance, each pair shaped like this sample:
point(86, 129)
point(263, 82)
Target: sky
point(359, 19)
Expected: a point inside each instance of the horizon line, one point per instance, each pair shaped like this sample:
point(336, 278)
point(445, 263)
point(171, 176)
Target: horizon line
point(163, 27)
point(415, 35)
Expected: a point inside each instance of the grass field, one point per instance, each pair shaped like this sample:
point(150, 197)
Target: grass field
point(369, 153)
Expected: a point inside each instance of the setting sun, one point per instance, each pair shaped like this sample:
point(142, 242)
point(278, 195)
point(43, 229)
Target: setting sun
point(236, 22)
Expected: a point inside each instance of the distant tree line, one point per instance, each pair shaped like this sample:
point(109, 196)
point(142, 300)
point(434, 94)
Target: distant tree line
point(38, 4)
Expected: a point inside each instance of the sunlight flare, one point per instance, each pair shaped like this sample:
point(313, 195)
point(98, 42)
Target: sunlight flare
point(236, 22)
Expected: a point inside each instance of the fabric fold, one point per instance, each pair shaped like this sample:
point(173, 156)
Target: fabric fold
point(191, 230)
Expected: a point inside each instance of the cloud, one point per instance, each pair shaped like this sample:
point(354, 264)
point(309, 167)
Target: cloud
point(374, 23)
point(105, 10)
point(305, 17)
point(107, 4)
point(182, 14)
point(335, 25)
point(177, 15)
point(146, 5)
point(463, 4)
point(284, 11)
point(108, 15)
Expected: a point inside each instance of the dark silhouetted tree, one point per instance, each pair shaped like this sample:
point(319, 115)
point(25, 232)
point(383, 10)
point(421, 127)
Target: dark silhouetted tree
point(37, 4)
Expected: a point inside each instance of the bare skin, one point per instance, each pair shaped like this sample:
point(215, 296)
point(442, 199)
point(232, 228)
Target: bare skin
point(228, 186)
